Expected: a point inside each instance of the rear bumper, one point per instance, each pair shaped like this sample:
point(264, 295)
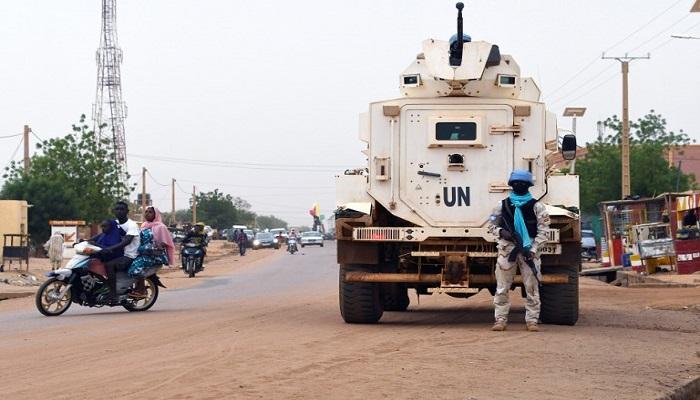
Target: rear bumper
point(479, 279)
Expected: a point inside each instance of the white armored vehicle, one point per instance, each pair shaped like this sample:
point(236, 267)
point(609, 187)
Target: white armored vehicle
point(417, 216)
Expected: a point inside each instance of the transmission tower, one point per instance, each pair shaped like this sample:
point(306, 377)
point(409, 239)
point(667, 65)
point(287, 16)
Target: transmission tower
point(109, 108)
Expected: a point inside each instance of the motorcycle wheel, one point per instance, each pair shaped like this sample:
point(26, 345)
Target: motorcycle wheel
point(148, 301)
point(47, 301)
point(191, 267)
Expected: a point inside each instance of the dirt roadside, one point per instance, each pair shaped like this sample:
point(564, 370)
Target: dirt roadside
point(221, 260)
point(627, 345)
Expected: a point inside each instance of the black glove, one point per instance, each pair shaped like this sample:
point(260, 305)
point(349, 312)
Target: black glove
point(506, 235)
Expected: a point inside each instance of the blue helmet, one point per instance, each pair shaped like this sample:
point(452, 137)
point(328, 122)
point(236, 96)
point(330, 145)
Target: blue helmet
point(520, 175)
point(465, 37)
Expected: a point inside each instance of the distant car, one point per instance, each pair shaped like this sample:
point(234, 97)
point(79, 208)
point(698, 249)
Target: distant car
point(177, 234)
point(280, 234)
point(250, 235)
point(311, 238)
point(265, 240)
point(329, 235)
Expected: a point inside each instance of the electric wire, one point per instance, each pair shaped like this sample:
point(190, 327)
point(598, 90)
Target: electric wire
point(593, 61)
point(37, 136)
point(154, 179)
point(245, 165)
point(657, 47)
point(608, 79)
point(255, 186)
point(11, 136)
point(661, 32)
point(14, 153)
point(584, 84)
point(644, 25)
point(181, 189)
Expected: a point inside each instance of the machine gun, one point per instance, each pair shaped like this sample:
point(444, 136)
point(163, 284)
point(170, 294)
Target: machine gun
point(520, 249)
point(456, 48)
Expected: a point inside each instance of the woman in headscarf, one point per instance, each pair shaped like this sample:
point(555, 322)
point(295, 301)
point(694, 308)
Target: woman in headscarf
point(162, 237)
point(156, 247)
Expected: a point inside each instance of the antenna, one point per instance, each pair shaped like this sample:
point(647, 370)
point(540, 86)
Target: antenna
point(108, 97)
point(456, 49)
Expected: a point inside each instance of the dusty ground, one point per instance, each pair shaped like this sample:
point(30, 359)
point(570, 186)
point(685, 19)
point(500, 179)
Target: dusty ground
point(270, 328)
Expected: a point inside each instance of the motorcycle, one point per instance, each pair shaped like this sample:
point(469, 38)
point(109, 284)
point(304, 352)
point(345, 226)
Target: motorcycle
point(292, 246)
point(589, 253)
point(192, 256)
point(82, 281)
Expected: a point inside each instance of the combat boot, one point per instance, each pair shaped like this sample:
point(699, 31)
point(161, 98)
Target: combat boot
point(499, 326)
point(532, 327)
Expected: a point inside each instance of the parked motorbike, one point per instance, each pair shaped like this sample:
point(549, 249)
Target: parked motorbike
point(589, 253)
point(292, 246)
point(192, 256)
point(83, 281)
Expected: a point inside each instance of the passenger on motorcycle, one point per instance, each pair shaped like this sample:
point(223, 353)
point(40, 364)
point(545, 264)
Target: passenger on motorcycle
point(156, 248)
point(110, 236)
point(129, 244)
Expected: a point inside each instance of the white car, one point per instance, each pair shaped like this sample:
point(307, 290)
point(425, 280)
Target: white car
point(311, 238)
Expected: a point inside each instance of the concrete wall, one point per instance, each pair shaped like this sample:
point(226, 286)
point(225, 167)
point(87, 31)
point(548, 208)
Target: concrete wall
point(13, 219)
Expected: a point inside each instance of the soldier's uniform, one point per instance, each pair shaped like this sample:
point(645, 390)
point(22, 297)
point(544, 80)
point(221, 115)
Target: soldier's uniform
point(537, 220)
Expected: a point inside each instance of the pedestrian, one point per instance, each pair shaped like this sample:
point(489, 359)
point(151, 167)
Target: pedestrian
point(519, 216)
point(242, 240)
point(690, 219)
point(54, 248)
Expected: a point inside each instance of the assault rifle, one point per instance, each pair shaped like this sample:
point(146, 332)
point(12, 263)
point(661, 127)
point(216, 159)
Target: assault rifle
point(519, 249)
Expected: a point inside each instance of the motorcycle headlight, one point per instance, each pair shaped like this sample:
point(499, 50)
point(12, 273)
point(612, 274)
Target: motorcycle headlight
point(274, 240)
point(256, 242)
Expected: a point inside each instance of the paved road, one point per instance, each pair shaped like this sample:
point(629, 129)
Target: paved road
point(272, 330)
point(311, 269)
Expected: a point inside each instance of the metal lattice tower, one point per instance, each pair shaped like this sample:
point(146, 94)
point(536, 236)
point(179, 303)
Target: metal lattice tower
point(109, 107)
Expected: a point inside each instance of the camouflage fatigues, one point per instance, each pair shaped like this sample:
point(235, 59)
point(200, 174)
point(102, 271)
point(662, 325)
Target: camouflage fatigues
point(505, 270)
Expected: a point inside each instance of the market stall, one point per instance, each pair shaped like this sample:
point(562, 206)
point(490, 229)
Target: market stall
point(660, 233)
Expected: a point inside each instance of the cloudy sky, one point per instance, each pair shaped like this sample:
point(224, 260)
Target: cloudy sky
point(255, 92)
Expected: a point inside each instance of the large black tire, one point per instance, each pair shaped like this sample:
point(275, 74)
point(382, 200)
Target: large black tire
point(191, 267)
point(360, 303)
point(395, 297)
point(560, 302)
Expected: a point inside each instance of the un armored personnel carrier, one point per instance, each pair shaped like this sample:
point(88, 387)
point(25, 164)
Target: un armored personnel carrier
point(417, 216)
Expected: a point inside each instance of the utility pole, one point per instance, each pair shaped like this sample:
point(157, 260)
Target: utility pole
point(194, 205)
point(173, 220)
point(625, 63)
point(25, 139)
point(143, 190)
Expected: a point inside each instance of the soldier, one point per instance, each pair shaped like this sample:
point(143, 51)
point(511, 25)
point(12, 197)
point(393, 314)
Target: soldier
point(520, 222)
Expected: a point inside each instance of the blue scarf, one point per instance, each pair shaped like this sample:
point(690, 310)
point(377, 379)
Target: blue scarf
point(518, 220)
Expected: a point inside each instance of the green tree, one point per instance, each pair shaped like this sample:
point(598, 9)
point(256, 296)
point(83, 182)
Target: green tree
point(80, 168)
point(50, 200)
point(216, 209)
point(601, 170)
point(270, 222)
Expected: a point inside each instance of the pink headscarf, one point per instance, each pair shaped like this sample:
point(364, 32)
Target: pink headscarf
point(161, 234)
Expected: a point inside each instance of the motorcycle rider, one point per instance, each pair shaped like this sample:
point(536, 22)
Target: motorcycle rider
point(129, 244)
point(198, 237)
point(292, 236)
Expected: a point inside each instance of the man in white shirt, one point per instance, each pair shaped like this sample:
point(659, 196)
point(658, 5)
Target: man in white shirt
point(129, 244)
